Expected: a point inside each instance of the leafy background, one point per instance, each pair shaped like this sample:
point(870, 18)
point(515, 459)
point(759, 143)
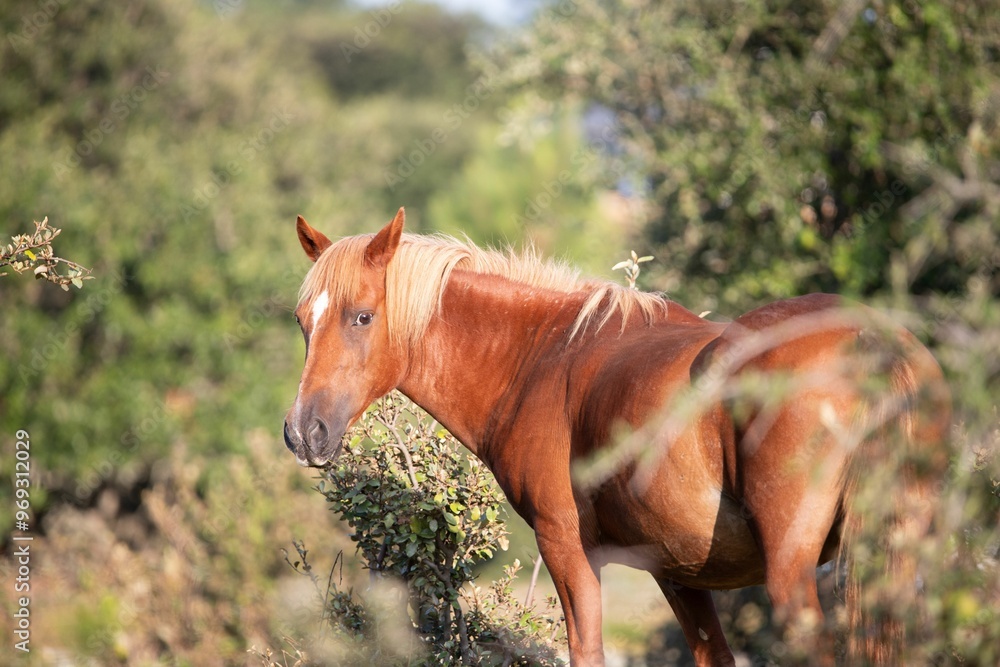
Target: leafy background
point(757, 149)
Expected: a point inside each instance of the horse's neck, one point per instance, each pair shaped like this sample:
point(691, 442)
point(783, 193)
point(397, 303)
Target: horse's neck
point(475, 352)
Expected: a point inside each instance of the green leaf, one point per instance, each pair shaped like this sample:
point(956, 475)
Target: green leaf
point(411, 549)
point(77, 283)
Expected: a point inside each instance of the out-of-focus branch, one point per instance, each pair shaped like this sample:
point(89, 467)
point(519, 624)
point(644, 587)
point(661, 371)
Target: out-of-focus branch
point(835, 31)
point(948, 191)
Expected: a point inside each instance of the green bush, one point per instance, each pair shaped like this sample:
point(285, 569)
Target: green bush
point(426, 514)
point(785, 146)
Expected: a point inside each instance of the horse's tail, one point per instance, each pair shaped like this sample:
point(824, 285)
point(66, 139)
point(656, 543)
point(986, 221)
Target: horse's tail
point(894, 480)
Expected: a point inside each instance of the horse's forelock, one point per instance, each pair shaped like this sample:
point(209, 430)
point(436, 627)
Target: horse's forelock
point(338, 271)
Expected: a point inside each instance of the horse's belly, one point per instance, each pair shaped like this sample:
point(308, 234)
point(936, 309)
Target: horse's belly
point(699, 538)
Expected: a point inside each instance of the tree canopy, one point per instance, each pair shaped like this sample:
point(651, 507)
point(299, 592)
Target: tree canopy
point(789, 147)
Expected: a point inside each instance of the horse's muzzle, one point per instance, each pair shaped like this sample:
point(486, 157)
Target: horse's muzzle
point(314, 448)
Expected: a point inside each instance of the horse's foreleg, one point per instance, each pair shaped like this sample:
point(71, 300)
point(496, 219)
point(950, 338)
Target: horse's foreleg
point(578, 584)
point(695, 612)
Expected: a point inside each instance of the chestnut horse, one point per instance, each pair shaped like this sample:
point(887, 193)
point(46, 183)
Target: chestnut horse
point(622, 427)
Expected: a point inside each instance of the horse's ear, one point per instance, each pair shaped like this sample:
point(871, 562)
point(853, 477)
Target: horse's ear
point(313, 241)
point(381, 248)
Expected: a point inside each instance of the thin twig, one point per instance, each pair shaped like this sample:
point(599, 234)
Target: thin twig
point(379, 563)
point(463, 635)
point(534, 580)
point(329, 585)
point(403, 448)
point(835, 32)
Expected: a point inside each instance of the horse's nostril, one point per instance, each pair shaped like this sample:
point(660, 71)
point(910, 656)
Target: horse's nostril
point(288, 439)
point(318, 434)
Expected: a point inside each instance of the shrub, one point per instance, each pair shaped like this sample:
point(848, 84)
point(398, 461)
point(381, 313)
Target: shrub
point(426, 514)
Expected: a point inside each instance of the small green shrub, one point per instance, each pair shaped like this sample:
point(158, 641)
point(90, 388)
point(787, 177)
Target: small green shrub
point(426, 514)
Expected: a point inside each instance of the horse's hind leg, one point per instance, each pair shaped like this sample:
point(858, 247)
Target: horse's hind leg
point(792, 491)
point(695, 611)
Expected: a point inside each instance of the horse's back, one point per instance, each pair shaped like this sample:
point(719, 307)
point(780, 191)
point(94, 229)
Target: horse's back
point(847, 342)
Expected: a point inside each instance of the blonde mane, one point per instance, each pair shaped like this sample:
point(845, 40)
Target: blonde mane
point(420, 269)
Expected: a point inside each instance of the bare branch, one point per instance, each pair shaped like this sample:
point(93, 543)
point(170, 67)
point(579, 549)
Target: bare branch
point(411, 471)
point(534, 580)
point(835, 31)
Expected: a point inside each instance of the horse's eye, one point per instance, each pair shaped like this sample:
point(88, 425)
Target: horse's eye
point(364, 318)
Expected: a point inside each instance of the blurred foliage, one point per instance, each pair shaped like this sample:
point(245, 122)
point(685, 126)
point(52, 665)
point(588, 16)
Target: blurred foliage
point(426, 514)
point(176, 142)
point(542, 186)
point(420, 55)
point(789, 147)
point(169, 568)
point(955, 619)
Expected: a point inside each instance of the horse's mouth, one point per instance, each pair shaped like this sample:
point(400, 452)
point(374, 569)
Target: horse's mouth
point(307, 459)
